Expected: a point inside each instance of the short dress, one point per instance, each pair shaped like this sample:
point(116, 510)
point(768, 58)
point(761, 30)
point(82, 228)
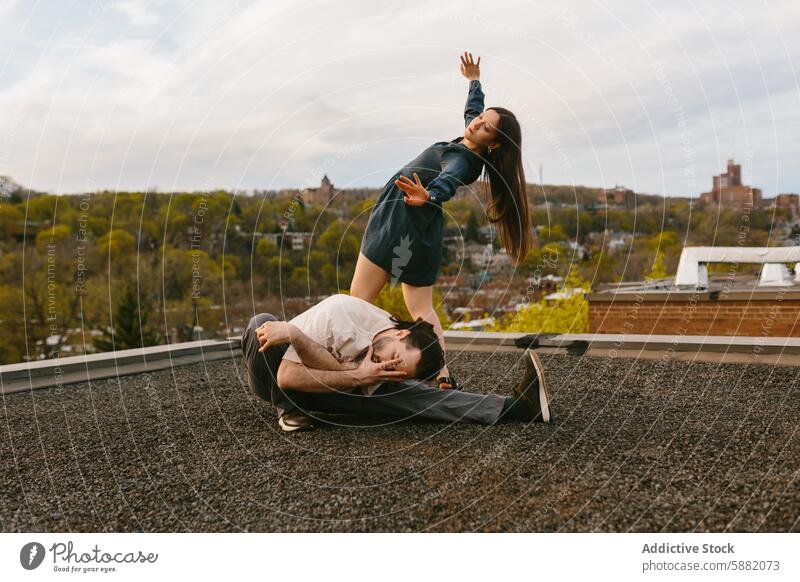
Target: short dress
point(407, 241)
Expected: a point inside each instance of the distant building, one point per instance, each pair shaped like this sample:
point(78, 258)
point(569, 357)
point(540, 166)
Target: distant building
point(473, 324)
point(578, 250)
point(451, 282)
point(319, 196)
point(295, 241)
point(612, 241)
point(727, 191)
point(547, 283)
point(696, 303)
point(487, 233)
point(484, 257)
point(619, 196)
point(789, 202)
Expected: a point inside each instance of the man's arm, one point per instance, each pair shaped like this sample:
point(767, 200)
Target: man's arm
point(314, 354)
point(294, 376)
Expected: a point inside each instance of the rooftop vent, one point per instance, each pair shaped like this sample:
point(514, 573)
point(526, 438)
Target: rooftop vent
point(692, 271)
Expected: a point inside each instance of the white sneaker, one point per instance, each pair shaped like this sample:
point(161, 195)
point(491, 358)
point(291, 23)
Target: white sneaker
point(295, 421)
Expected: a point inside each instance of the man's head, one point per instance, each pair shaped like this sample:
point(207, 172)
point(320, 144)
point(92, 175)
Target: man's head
point(415, 343)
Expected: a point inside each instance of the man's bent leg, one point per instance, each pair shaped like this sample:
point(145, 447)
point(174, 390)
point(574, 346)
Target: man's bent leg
point(408, 399)
point(262, 367)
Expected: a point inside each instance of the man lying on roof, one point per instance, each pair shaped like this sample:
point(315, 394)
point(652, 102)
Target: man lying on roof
point(345, 355)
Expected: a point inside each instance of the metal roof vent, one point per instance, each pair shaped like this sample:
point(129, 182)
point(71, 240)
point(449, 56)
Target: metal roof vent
point(692, 270)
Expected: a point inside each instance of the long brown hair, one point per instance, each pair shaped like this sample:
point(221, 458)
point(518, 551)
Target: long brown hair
point(504, 183)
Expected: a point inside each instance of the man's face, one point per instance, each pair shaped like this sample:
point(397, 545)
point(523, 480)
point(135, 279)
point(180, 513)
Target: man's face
point(392, 346)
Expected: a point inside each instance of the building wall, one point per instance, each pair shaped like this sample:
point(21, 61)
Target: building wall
point(728, 191)
point(705, 316)
point(619, 196)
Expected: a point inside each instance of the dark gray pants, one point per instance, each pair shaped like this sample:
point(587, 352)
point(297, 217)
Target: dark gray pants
point(405, 399)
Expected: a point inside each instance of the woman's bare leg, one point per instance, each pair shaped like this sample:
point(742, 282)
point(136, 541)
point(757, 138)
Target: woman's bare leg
point(419, 301)
point(368, 279)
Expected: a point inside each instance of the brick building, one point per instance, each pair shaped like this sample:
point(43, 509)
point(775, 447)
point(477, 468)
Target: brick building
point(727, 191)
point(619, 196)
point(763, 314)
point(321, 195)
point(789, 202)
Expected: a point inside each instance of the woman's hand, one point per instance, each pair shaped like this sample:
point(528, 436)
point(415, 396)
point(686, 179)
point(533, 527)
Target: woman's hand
point(415, 192)
point(469, 69)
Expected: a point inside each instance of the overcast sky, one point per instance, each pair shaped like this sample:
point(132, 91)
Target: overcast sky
point(654, 95)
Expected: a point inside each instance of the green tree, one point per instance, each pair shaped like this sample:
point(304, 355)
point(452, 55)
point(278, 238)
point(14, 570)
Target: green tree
point(567, 315)
point(472, 233)
point(119, 243)
point(10, 221)
point(278, 271)
point(265, 249)
point(130, 324)
point(391, 299)
point(659, 270)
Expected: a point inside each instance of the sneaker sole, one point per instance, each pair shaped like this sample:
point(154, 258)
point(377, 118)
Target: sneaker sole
point(288, 428)
point(544, 401)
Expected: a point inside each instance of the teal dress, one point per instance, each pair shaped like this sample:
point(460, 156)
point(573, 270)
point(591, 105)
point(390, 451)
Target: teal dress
point(407, 241)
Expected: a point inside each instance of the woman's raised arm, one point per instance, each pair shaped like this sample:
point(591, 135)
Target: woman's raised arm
point(472, 71)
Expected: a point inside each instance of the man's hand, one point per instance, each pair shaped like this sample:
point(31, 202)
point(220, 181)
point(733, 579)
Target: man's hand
point(272, 333)
point(415, 192)
point(469, 69)
point(369, 372)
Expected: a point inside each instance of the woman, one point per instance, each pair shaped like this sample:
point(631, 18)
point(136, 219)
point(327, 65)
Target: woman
point(403, 239)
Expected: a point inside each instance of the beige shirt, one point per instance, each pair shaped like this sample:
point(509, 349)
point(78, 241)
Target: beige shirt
point(344, 326)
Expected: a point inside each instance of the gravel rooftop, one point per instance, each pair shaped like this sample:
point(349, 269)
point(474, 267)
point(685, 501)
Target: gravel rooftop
point(637, 445)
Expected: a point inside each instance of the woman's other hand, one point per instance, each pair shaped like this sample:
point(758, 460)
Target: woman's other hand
point(415, 192)
point(470, 69)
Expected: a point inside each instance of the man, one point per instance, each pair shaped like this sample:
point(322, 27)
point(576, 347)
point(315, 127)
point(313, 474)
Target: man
point(345, 355)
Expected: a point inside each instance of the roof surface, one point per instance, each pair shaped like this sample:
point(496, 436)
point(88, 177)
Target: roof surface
point(637, 445)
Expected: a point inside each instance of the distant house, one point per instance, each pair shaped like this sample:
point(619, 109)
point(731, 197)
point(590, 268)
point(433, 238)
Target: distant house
point(451, 281)
point(617, 243)
point(579, 250)
point(483, 257)
point(487, 233)
point(319, 196)
point(610, 240)
point(547, 282)
point(295, 241)
point(473, 324)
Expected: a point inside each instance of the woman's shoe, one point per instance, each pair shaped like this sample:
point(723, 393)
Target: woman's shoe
point(448, 383)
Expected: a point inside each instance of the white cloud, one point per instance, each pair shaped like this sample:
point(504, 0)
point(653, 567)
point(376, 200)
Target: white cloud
point(138, 12)
point(258, 94)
